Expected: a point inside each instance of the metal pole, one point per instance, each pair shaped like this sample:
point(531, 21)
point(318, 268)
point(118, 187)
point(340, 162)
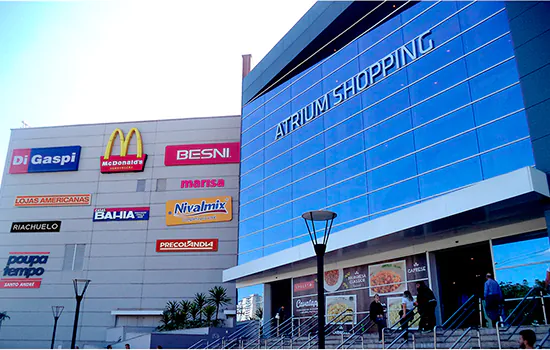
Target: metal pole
point(54, 330)
point(498, 337)
point(478, 338)
point(320, 251)
point(414, 341)
point(435, 337)
point(480, 313)
point(383, 338)
point(75, 325)
point(543, 307)
point(278, 326)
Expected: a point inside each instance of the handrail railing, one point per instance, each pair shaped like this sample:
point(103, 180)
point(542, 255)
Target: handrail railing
point(541, 344)
point(533, 301)
point(468, 330)
point(521, 315)
point(415, 317)
point(460, 316)
point(327, 326)
point(278, 328)
point(407, 317)
point(234, 335)
point(196, 345)
point(507, 320)
point(357, 330)
point(302, 325)
point(249, 332)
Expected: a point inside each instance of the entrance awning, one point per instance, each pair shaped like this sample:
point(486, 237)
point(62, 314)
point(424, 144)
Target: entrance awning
point(518, 183)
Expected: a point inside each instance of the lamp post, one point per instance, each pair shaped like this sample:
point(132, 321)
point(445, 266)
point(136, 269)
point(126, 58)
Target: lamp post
point(320, 247)
point(80, 286)
point(57, 311)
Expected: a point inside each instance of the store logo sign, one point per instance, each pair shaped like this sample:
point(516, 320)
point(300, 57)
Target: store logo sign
point(198, 211)
point(304, 286)
point(36, 226)
point(124, 162)
point(417, 268)
point(21, 269)
point(214, 153)
point(43, 160)
point(54, 200)
point(121, 214)
point(203, 183)
point(187, 245)
point(403, 55)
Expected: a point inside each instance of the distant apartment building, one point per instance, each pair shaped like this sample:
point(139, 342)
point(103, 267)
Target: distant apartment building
point(247, 307)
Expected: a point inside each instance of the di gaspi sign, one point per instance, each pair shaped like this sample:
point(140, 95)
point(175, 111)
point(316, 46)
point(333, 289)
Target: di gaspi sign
point(124, 162)
point(23, 270)
point(198, 211)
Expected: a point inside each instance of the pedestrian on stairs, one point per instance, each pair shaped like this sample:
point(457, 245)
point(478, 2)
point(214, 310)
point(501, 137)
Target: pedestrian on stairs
point(493, 299)
point(406, 313)
point(377, 315)
point(426, 302)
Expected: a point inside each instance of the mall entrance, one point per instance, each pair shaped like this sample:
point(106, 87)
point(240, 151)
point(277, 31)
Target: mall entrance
point(461, 272)
point(281, 295)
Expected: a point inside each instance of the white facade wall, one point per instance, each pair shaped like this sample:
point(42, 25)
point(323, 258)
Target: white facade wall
point(120, 256)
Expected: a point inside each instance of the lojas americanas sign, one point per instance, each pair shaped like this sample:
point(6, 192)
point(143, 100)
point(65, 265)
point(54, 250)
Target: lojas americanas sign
point(36, 226)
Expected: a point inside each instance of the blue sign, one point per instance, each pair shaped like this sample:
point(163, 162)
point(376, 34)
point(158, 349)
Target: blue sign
point(42, 160)
point(121, 214)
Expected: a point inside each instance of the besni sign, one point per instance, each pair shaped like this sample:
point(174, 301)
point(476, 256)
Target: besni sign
point(121, 214)
point(54, 200)
point(198, 211)
point(187, 245)
point(124, 162)
point(36, 226)
point(43, 160)
point(214, 153)
point(21, 267)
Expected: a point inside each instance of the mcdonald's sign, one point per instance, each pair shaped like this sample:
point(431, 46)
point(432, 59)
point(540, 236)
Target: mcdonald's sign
point(124, 162)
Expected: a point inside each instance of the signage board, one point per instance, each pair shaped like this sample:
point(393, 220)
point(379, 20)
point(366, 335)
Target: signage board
point(202, 183)
point(187, 245)
point(54, 200)
point(43, 160)
point(121, 214)
point(124, 162)
point(36, 226)
point(23, 270)
point(200, 154)
point(198, 210)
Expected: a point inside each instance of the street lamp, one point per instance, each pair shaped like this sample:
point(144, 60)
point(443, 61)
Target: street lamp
point(80, 286)
point(320, 247)
point(57, 311)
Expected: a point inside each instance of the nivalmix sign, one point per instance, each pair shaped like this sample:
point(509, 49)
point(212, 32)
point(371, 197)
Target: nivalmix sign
point(368, 76)
point(42, 160)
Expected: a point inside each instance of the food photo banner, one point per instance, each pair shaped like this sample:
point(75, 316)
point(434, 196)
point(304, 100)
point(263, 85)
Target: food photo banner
point(354, 288)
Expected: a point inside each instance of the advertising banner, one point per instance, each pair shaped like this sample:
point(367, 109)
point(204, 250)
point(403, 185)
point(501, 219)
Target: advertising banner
point(354, 287)
point(199, 154)
point(124, 162)
point(121, 214)
point(54, 200)
point(36, 226)
point(187, 245)
point(198, 211)
point(21, 269)
point(202, 183)
point(43, 160)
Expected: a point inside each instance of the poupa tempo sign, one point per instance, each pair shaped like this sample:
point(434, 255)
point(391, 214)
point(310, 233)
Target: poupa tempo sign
point(21, 269)
point(359, 82)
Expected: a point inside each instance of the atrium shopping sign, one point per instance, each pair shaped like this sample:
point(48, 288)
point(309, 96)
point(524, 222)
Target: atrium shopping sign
point(124, 162)
point(359, 82)
point(23, 270)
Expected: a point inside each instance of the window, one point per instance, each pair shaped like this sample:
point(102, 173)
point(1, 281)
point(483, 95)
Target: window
point(161, 185)
point(74, 257)
point(140, 186)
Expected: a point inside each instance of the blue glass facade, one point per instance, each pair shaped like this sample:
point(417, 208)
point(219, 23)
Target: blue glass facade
point(449, 118)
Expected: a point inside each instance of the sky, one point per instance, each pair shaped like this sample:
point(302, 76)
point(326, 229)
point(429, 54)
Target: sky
point(79, 62)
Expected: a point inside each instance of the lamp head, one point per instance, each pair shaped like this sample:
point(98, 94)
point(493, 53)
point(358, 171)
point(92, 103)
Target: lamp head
point(319, 216)
point(80, 286)
point(57, 311)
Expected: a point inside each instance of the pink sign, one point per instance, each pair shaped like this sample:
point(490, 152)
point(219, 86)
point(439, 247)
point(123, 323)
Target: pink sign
point(198, 154)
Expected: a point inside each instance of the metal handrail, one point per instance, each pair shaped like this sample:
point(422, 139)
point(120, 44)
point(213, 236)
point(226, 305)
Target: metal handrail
point(524, 316)
point(196, 345)
point(327, 326)
point(278, 341)
point(462, 309)
point(233, 335)
point(245, 334)
point(309, 320)
point(459, 325)
point(467, 340)
point(541, 344)
point(409, 314)
point(517, 307)
point(357, 330)
point(414, 319)
point(279, 327)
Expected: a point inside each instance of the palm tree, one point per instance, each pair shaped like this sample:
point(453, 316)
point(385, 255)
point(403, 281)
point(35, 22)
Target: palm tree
point(218, 297)
point(3, 316)
point(194, 311)
point(165, 321)
point(209, 311)
point(200, 300)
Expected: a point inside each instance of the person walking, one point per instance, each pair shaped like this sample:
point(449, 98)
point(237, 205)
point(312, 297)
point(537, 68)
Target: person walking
point(426, 302)
point(527, 339)
point(377, 315)
point(493, 299)
point(406, 313)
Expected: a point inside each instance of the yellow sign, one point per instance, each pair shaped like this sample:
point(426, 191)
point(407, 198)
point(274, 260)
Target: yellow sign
point(124, 162)
point(198, 211)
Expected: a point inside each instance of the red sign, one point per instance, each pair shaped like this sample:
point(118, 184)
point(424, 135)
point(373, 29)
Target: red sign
point(302, 286)
point(187, 245)
point(214, 153)
point(20, 283)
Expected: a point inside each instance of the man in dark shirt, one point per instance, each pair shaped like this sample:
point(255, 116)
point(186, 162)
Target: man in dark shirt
point(425, 299)
point(493, 298)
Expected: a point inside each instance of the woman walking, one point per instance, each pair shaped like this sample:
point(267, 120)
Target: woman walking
point(377, 315)
point(406, 313)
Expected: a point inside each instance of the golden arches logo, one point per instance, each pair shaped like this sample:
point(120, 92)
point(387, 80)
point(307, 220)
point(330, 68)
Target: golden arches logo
point(124, 162)
point(124, 143)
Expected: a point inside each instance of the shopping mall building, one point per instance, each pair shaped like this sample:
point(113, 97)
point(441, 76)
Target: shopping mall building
point(425, 126)
point(145, 210)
